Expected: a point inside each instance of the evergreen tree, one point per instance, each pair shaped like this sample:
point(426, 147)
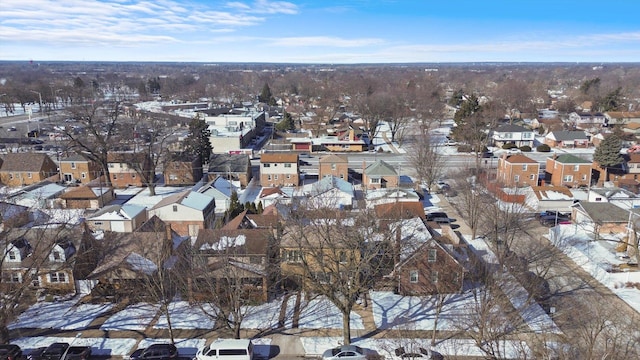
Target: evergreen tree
point(197, 141)
point(287, 124)
point(235, 207)
point(608, 153)
point(266, 96)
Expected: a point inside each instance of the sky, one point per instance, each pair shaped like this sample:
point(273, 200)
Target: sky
point(321, 31)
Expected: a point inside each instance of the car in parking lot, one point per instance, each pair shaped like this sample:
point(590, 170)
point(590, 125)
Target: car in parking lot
point(55, 351)
point(438, 216)
point(552, 220)
point(156, 352)
point(10, 352)
point(345, 352)
point(420, 353)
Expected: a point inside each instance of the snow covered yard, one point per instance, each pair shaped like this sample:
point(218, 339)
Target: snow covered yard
point(60, 315)
point(133, 317)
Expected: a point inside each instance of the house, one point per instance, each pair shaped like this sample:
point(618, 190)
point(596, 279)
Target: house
point(87, 197)
point(279, 169)
point(221, 191)
point(517, 170)
point(182, 169)
point(631, 128)
point(587, 120)
point(47, 258)
point(269, 196)
point(328, 192)
point(334, 165)
point(241, 258)
point(622, 198)
point(380, 175)
point(376, 197)
point(557, 198)
point(78, 168)
point(568, 170)
point(41, 195)
point(233, 167)
point(347, 142)
point(602, 218)
point(13, 215)
point(615, 118)
point(132, 258)
point(434, 268)
point(117, 218)
point(20, 169)
point(125, 168)
point(567, 139)
point(513, 134)
point(394, 211)
point(187, 212)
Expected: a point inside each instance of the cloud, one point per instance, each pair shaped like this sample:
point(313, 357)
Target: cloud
point(324, 41)
point(127, 21)
point(265, 7)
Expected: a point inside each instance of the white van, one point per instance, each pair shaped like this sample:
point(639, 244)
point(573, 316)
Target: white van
point(227, 349)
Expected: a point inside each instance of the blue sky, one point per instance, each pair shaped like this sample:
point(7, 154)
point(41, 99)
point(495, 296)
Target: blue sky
point(323, 31)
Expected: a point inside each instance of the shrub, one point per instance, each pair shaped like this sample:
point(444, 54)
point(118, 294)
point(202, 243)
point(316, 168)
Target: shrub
point(525, 148)
point(543, 148)
point(508, 146)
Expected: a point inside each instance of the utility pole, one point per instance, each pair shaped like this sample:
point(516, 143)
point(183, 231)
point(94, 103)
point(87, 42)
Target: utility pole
point(40, 107)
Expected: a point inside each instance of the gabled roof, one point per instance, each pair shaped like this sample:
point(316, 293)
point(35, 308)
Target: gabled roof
point(567, 135)
point(85, 192)
point(511, 128)
point(273, 157)
point(327, 183)
point(24, 162)
point(333, 158)
point(118, 212)
point(400, 210)
point(602, 213)
point(269, 191)
point(615, 193)
point(520, 159)
point(380, 168)
point(431, 243)
point(570, 159)
point(225, 163)
point(237, 241)
point(75, 158)
point(188, 198)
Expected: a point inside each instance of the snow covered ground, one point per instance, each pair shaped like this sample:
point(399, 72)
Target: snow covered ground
point(60, 315)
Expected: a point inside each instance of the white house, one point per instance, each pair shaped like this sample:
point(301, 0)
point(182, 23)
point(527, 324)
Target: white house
point(518, 135)
point(220, 190)
point(620, 197)
point(328, 192)
point(187, 212)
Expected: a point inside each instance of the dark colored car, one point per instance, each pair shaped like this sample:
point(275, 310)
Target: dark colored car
point(55, 351)
point(552, 220)
point(78, 353)
point(437, 216)
point(10, 352)
point(156, 352)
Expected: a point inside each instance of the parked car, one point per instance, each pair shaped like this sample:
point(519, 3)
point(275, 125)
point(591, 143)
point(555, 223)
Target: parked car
point(554, 213)
point(35, 354)
point(434, 216)
point(421, 353)
point(350, 352)
point(226, 349)
point(156, 352)
point(552, 220)
point(78, 353)
point(10, 352)
point(55, 351)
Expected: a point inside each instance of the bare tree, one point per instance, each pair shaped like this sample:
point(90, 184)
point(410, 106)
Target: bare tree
point(426, 158)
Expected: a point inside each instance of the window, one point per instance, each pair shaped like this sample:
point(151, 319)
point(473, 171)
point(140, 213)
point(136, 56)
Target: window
point(115, 176)
point(97, 223)
point(598, 199)
point(269, 177)
point(576, 167)
point(57, 277)
point(343, 257)
point(287, 165)
point(532, 177)
point(333, 166)
point(584, 177)
point(456, 278)
point(173, 177)
point(275, 177)
point(341, 176)
point(374, 181)
point(12, 277)
point(11, 176)
point(13, 255)
point(266, 165)
point(567, 178)
point(83, 175)
point(56, 256)
point(434, 276)
point(175, 208)
point(293, 256)
point(516, 178)
point(29, 175)
point(413, 276)
point(432, 255)
point(111, 165)
point(524, 167)
point(73, 165)
point(35, 281)
point(288, 176)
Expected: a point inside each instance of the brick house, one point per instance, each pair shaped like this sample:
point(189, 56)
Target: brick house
point(125, 168)
point(233, 167)
point(380, 175)
point(49, 258)
point(279, 169)
point(78, 169)
point(20, 169)
point(334, 165)
point(433, 268)
point(517, 170)
point(567, 139)
point(182, 169)
point(87, 197)
point(568, 170)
